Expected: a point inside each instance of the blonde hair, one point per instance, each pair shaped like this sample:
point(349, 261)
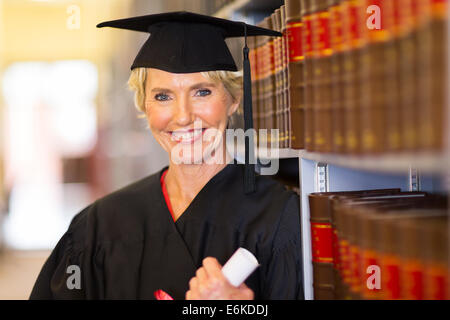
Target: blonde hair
point(231, 80)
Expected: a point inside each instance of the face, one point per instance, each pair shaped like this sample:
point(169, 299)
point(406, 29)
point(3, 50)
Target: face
point(187, 114)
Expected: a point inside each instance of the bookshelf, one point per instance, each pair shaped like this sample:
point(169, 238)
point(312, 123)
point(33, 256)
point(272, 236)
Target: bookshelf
point(418, 171)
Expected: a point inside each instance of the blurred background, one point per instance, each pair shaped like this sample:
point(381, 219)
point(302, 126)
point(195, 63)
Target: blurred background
point(69, 132)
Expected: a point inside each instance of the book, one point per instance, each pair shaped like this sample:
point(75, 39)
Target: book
point(271, 96)
point(379, 87)
point(367, 240)
point(354, 74)
point(296, 64)
point(412, 256)
point(285, 76)
point(324, 243)
point(278, 86)
point(337, 18)
point(307, 9)
point(348, 251)
point(435, 248)
point(322, 53)
point(432, 73)
point(408, 74)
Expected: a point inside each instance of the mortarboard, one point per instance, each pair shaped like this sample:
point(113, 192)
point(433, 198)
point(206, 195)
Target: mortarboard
point(184, 42)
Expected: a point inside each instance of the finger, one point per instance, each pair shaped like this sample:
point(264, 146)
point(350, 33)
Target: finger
point(191, 295)
point(243, 286)
point(245, 292)
point(213, 268)
point(201, 275)
point(248, 294)
point(193, 283)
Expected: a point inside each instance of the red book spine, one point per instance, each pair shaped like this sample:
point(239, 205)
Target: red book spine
point(296, 57)
point(322, 242)
point(412, 279)
point(369, 258)
point(438, 282)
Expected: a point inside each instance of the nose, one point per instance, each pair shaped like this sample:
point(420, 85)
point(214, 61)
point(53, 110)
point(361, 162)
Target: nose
point(183, 113)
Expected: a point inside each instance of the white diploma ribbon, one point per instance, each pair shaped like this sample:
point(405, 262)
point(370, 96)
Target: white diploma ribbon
point(239, 267)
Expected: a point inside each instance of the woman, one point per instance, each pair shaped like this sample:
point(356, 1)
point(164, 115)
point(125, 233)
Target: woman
point(170, 233)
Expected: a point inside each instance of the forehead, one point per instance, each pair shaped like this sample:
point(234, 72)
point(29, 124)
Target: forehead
point(160, 78)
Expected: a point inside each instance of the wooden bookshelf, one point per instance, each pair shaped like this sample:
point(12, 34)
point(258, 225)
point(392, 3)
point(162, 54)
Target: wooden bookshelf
point(338, 172)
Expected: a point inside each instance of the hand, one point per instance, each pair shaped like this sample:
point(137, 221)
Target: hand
point(210, 284)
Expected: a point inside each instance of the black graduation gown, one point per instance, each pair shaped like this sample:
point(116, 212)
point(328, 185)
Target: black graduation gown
point(127, 245)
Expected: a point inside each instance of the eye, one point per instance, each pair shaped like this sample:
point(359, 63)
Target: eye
point(203, 92)
point(162, 97)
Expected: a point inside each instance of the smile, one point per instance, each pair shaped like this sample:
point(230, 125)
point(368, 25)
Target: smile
point(187, 136)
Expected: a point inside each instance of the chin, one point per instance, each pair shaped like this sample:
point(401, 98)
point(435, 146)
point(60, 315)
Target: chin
point(186, 154)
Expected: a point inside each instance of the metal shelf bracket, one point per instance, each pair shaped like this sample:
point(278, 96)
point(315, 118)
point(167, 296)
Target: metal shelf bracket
point(321, 177)
point(414, 179)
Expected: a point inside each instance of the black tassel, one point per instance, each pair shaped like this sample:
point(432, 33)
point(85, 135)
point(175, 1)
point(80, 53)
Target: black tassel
point(249, 173)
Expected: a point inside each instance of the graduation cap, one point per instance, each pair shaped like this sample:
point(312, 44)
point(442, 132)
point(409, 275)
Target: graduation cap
point(185, 42)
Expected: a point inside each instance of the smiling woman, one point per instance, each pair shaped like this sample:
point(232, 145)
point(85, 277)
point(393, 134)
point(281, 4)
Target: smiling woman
point(169, 233)
point(188, 113)
point(218, 91)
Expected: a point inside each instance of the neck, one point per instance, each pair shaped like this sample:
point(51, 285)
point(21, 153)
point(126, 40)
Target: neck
point(184, 181)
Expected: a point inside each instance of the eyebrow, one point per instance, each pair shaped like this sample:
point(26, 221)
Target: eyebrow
point(195, 86)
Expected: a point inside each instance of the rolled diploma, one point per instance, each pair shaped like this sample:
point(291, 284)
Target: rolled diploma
point(241, 264)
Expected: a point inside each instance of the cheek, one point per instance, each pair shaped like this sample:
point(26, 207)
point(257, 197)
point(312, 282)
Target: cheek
point(215, 112)
point(158, 118)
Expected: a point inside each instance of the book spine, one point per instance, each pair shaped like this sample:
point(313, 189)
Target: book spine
point(370, 257)
point(386, 245)
point(343, 252)
point(274, 77)
point(353, 74)
point(296, 59)
point(391, 277)
point(409, 86)
point(337, 19)
point(307, 39)
point(436, 255)
point(278, 78)
point(393, 78)
point(433, 55)
point(322, 247)
point(373, 115)
point(271, 81)
point(266, 67)
point(322, 77)
point(412, 268)
point(285, 72)
point(355, 255)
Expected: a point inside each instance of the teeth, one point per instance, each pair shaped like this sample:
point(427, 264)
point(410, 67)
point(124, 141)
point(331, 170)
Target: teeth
point(186, 136)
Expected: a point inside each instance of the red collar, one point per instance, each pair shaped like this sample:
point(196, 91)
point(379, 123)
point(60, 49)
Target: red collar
point(166, 194)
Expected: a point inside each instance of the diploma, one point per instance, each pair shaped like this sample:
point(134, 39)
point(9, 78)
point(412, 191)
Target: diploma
point(239, 267)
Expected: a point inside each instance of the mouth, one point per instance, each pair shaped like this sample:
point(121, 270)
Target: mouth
point(186, 136)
